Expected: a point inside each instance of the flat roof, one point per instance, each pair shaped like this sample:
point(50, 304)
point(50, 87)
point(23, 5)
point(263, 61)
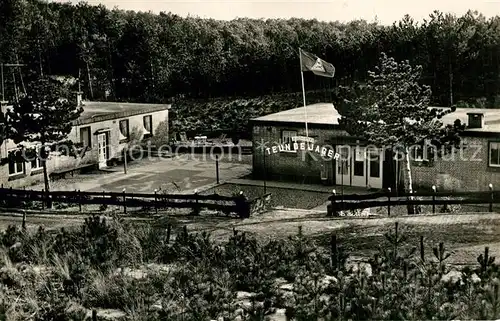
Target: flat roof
point(326, 114)
point(320, 113)
point(94, 111)
point(491, 118)
point(100, 108)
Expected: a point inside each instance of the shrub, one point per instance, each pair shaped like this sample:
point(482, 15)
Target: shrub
point(204, 278)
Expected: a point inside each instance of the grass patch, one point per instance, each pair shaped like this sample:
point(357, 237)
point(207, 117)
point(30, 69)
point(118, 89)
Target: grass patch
point(182, 273)
point(366, 240)
point(145, 271)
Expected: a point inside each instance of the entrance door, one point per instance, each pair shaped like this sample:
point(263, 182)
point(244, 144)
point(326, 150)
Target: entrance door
point(327, 171)
point(343, 176)
point(324, 171)
point(359, 167)
point(102, 150)
point(374, 168)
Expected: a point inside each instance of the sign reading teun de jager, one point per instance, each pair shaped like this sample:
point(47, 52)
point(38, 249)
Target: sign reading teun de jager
point(304, 144)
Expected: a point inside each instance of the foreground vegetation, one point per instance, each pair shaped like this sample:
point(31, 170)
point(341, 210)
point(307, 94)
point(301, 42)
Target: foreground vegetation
point(153, 273)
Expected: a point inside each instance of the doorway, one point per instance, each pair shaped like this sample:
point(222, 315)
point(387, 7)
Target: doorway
point(358, 166)
point(102, 149)
point(343, 173)
point(374, 168)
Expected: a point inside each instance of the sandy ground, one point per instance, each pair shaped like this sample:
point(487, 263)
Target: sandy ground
point(465, 235)
point(181, 174)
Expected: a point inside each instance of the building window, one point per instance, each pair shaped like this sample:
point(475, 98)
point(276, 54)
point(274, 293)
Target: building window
point(85, 136)
point(343, 168)
point(422, 153)
point(148, 124)
point(286, 138)
point(124, 131)
point(16, 167)
point(36, 162)
point(374, 159)
point(494, 152)
point(359, 161)
point(418, 153)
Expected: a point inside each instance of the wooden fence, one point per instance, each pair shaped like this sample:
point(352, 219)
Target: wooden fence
point(390, 199)
point(225, 204)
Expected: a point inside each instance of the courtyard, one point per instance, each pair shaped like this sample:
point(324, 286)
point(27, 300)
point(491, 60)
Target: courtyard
point(180, 174)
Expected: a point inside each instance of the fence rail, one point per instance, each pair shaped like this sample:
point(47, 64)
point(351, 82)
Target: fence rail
point(225, 204)
point(390, 199)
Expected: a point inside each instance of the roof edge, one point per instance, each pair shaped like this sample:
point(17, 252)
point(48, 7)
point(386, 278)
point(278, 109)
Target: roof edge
point(292, 123)
point(121, 114)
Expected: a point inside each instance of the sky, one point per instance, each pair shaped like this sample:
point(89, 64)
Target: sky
point(383, 11)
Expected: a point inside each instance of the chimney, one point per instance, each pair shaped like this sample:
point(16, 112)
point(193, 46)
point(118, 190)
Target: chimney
point(476, 120)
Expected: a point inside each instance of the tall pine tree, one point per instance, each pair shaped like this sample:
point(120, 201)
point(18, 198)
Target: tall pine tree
point(40, 121)
point(391, 109)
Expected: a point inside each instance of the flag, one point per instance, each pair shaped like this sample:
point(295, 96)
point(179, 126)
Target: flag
point(318, 66)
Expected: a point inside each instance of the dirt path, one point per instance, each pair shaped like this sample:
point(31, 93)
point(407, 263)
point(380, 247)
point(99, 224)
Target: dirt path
point(314, 222)
point(465, 234)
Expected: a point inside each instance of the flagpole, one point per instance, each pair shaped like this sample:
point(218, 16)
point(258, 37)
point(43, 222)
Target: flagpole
point(303, 90)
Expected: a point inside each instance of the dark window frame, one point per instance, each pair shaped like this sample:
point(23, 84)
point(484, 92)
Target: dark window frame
point(291, 151)
point(89, 146)
point(427, 156)
point(37, 160)
point(496, 142)
point(127, 136)
point(14, 165)
point(150, 134)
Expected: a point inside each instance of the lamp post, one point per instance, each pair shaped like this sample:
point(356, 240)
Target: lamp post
point(125, 160)
point(265, 172)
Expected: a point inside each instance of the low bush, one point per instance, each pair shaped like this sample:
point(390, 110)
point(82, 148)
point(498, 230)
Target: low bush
point(172, 274)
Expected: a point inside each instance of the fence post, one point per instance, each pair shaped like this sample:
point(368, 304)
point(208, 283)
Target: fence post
point(491, 197)
point(242, 205)
point(333, 202)
point(217, 167)
point(434, 199)
point(24, 219)
point(124, 202)
point(43, 199)
point(195, 209)
point(156, 201)
point(80, 200)
point(389, 190)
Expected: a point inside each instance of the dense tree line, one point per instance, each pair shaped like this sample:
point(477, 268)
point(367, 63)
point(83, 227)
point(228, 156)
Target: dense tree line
point(134, 56)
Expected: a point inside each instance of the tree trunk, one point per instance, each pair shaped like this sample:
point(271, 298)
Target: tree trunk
point(408, 179)
point(450, 73)
point(20, 74)
point(110, 71)
point(90, 81)
point(46, 180)
point(40, 57)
